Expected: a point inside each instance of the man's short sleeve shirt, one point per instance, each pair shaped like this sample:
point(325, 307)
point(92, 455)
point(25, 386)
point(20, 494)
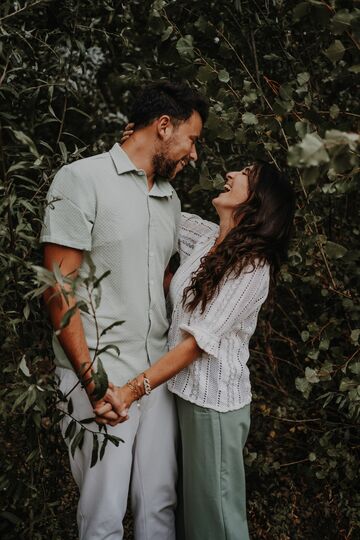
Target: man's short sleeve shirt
point(102, 205)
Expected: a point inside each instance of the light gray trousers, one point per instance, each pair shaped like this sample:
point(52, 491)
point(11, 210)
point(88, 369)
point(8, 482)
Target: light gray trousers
point(145, 463)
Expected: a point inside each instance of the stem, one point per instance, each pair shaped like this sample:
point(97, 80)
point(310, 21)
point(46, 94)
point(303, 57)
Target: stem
point(21, 9)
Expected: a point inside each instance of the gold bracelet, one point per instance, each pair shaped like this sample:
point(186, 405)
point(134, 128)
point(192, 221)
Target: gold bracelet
point(147, 385)
point(135, 388)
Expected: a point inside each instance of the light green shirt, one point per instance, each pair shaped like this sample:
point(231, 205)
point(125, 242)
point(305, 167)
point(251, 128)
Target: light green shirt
point(102, 205)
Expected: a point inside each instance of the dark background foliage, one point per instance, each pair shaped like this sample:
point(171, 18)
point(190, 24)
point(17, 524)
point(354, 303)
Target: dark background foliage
point(281, 78)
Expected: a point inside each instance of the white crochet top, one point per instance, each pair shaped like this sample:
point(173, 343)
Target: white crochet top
point(219, 378)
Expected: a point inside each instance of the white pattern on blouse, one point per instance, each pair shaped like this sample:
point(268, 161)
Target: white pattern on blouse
point(219, 378)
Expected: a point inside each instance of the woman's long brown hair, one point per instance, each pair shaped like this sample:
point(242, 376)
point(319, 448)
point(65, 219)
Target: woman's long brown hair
point(261, 236)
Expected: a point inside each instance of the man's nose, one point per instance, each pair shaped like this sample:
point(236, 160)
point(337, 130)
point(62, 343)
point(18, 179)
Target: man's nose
point(193, 153)
point(229, 176)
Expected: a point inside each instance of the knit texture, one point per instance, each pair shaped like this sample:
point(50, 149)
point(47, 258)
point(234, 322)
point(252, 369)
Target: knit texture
point(219, 378)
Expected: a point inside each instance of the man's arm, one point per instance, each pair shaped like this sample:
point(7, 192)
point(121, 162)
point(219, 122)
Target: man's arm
point(72, 337)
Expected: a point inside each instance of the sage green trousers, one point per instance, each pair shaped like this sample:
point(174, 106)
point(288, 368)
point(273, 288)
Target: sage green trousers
point(212, 495)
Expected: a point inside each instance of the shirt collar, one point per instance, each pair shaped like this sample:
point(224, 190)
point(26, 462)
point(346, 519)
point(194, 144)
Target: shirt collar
point(123, 164)
point(121, 160)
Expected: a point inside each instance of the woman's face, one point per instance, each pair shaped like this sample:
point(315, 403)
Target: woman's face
point(236, 190)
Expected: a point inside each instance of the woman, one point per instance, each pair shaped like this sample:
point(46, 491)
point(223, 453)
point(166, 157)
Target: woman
point(215, 298)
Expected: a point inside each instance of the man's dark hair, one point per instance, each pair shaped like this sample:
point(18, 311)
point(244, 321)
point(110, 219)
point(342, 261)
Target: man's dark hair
point(178, 100)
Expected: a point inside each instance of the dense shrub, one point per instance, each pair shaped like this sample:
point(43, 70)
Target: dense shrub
point(281, 79)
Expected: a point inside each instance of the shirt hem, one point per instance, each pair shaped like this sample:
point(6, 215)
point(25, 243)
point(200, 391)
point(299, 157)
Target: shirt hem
point(66, 243)
point(208, 405)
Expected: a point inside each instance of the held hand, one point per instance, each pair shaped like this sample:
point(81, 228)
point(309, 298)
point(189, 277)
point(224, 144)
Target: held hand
point(109, 415)
point(128, 131)
point(114, 407)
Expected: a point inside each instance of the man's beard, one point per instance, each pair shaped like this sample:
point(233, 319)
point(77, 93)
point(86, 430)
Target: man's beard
point(163, 166)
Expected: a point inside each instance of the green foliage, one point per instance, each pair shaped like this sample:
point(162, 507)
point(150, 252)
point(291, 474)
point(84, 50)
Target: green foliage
point(281, 78)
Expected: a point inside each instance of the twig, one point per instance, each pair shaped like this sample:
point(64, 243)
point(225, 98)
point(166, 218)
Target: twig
point(28, 6)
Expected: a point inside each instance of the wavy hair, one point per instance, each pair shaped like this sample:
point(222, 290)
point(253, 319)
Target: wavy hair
point(261, 235)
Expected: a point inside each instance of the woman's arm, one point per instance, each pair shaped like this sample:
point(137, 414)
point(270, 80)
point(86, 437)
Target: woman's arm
point(166, 367)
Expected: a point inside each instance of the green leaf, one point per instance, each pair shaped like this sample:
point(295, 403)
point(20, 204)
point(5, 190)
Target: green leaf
point(336, 137)
point(249, 118)
point(354, 336)
point(185, 46)
point(67, 317)
point(24, 139)
point(103, 446)
point(305, 335)
point(223, 76)
point(355, 68)
point(110, 347)
point(116, 323)
point(334, 111)
point(303, 386)
point(70, 406)
point(206, 74)
point(335, 52)
point(310, 176)
point(115, 440)
point(24, 368)
point(334, 251)
point(63, 151)
point(303, 78)
point(346, 384)
point(70, 430)
point(311, 375)
point(310, 152)
point(101, 381)
point(341, 22)
point(99, 280)
point(167, 33)
point(77, 442)
point(95, 451)
point(88, 420)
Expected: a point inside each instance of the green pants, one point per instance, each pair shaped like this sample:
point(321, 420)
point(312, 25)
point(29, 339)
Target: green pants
point(213, 480)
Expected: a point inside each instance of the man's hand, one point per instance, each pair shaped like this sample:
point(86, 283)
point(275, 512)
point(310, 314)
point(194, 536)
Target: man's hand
point(110, 414)
point(115, 402)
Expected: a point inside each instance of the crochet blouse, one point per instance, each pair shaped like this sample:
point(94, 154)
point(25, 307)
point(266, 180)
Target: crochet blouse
point(219, 378)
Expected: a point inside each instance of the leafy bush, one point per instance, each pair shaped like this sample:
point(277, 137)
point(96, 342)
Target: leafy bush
point(281, 79)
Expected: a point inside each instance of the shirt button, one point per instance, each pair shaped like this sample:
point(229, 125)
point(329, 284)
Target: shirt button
point(151, 282)
point(151, 253)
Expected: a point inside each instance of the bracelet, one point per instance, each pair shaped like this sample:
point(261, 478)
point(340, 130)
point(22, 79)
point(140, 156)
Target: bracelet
point(147, 385)
point(135, 388)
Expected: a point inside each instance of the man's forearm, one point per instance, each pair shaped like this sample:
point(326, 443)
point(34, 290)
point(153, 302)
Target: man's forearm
point(72, 336)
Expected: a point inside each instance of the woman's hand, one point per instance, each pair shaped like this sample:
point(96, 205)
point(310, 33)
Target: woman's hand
point(128, 131)
point(118, 400)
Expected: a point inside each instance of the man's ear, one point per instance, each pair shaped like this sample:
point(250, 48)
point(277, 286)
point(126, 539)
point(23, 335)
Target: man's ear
point(164, 127)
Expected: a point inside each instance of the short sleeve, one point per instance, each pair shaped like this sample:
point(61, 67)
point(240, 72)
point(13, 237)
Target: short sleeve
point(235, 306)
point(70, 210)
point(192, 229)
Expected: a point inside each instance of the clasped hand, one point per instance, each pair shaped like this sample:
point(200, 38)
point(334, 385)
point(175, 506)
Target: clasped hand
point(113, 408)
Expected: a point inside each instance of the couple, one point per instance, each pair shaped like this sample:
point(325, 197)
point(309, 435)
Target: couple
point(118, 207)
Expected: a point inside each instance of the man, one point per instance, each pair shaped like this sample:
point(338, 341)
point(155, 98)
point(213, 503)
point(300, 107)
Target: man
point(115, 207)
